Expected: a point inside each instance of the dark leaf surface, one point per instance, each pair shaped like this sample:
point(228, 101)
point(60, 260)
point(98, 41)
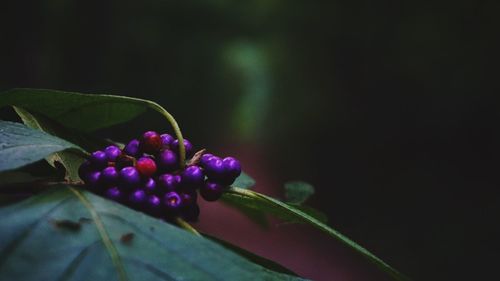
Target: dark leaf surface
point(67, 234)
point(253, 257)
point(20, 145)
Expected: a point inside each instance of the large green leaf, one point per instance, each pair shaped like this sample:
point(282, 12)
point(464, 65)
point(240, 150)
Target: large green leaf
point(20, 145)
point(74, 110)
point(85, 112)
point(68, 234)
point(263, 203)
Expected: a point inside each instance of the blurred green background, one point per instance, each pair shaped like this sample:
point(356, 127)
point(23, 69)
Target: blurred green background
point(388, 108)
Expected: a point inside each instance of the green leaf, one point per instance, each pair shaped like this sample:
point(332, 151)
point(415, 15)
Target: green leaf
point(315, 213)
point(68, 234)
point(257, 211)
point(68, 159)
point(20, 145)
point(267, 204)
point(244, 181)
point(86, 112)
point(254, 214)
point(74, 110)
point(297, 192)
point(269, 264)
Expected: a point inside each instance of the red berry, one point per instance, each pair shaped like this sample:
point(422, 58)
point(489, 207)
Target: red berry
point(150, 142)
point(146, 166)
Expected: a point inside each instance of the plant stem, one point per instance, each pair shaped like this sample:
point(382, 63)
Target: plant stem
point(183, 224)
point(177, 130)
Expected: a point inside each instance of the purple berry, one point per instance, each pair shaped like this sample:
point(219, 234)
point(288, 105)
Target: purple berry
point(132, 148)
point(109, 175)
point(211, 191)
point(205, 158)
point(99, 159)
point(189, 198)
point(166, 140)
point(214, 168)
point(84, 170)
point(129, 176)
point(149, 186)
point(115, 194)
point(193, 177)
point(153, 205)
point(112, 152)
point(146, 166)
point(169, 182)
point(150, 142)
point(172, 200)
point(187, 146)
point(137, 199)
point(232, 166)
point(94, 178)
point(167, 161)
point(94, 181)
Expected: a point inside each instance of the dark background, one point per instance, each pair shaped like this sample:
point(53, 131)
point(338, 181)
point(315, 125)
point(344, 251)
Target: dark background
point(387, 108)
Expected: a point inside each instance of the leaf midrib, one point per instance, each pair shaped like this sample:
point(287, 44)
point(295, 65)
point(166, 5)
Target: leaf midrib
point(103, 234)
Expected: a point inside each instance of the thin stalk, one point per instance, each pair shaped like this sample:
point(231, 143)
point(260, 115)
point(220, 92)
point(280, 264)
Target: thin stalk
point(186, 226)
point(175, 126)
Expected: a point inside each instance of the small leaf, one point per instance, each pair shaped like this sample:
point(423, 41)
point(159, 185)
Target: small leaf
point(297, 192)
point(255, 215)
point(244, 181)
point(267, 204)
point(20, 145)
point(257, 212)
point(68, 159)
point(45, 238)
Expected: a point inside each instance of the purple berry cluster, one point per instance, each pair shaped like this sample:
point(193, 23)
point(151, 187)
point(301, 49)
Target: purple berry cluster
point(147, 176)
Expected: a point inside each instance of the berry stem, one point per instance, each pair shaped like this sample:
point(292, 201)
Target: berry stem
point(177, 130)
point(186, 226)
